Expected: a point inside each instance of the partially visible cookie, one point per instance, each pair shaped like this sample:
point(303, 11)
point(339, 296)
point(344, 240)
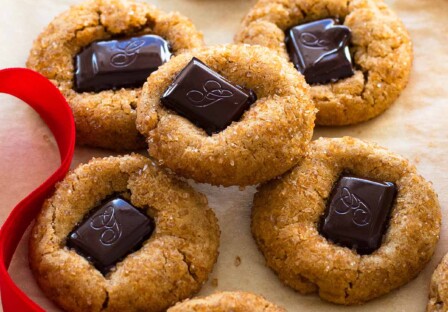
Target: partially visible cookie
point(351, 222)
point(274, 115)
point(227, 301)
point(438, 292)
point(380, 48)
point(120, 234)
point(106, 118)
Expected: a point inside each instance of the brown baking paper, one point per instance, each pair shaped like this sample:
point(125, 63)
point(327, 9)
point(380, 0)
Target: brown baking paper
point(413, 127)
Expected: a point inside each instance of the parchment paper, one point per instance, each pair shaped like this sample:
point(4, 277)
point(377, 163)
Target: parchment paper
point(413, 127)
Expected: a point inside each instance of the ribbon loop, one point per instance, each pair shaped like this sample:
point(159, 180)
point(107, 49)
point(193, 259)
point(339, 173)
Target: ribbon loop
point(38, 92)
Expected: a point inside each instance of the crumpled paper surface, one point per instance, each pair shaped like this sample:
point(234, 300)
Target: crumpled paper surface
point(415, 126)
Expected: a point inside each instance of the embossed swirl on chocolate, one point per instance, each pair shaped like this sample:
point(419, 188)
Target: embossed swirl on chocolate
point(206, 98)
point(319, 50)
point(350, 203)
point(128, 52)
point(358, 213)
point(107, 223)
point(114, 64)
point(211, 94)
point(114, 230)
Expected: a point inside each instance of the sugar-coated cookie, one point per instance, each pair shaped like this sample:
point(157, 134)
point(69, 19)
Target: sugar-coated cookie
point(107, 118)
point(438, 292)
point(227, 301)
point(379, 46)
point(351, 222)
point(120, 234)
point(227, 115)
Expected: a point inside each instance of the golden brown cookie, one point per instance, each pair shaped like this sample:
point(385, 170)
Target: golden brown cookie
point(438, 292)
point(106, 118)
point(288, 213)
point(270, 137)
point(380, 46)
point(170, 266)
point(227, 301)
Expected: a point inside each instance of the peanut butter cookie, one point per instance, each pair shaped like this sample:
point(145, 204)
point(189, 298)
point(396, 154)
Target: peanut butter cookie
point(438, 293)
point(351, 222)
point(227, 301)
point(227, 115)
point(345, 91)
point(120, 234)
point(99, 53)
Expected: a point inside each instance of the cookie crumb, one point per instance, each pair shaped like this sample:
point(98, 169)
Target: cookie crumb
point(237, 261)
point(214, 282)
point(47, 138)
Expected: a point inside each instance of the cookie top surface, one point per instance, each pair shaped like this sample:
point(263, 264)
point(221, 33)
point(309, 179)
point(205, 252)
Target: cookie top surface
point(438, 291)
point(380, 47)
point(106, 118)
point(227, 301)
point(170, 265)
point(287, 215)
point(269, 138)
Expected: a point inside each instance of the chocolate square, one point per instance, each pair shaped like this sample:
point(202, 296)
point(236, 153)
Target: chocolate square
point(113, 231)
point(206, 98)
point(358, 213)
point(125, 63)
point(319, 50)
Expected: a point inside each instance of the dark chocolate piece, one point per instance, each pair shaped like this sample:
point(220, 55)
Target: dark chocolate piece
point(319, 50)
point(125, 63)
point(109, 234)
point(358, 213)
point(206, 98)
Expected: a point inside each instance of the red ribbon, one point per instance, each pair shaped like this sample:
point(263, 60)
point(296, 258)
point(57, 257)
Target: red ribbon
point(38, 92)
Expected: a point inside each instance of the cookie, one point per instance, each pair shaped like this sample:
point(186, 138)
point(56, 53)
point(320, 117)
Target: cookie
point(438, 292)
point(371, 40)
point(231, 115)
point(65, 51)
point(351, 222)
point(120, 234)
point(227, 301)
